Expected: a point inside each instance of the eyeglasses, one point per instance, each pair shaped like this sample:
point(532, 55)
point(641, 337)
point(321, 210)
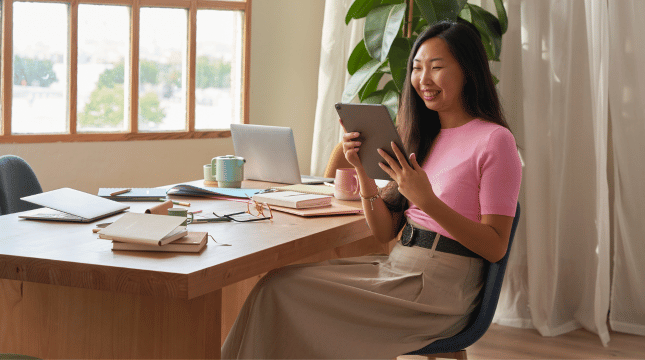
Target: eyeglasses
point(254, 212)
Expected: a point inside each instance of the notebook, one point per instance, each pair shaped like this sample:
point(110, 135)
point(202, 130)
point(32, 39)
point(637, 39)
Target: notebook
point(135, 194)
point(270, 153)
point(67, 204)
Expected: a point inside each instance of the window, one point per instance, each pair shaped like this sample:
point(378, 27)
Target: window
point(101, 70)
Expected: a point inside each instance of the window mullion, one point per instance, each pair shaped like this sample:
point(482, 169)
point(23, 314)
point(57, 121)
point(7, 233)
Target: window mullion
point(7, 68)
point(73, 65)
point(192, 64)
point(134, 66)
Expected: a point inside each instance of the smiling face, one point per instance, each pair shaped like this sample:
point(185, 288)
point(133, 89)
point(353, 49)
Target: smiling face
point(437, 77)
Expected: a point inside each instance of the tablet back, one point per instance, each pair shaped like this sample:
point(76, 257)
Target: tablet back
point(377, 130)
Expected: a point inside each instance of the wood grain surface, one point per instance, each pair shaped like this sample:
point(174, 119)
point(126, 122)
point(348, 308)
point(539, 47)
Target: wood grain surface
point(66, 294)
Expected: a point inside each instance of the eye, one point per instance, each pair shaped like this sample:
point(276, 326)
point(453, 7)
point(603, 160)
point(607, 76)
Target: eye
point(416, 68)
point(436, 68)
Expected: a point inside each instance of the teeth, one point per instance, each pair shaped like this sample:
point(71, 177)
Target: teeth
point(431, 93)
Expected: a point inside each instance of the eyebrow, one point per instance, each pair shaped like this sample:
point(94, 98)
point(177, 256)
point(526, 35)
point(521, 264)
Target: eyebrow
point(431, 60)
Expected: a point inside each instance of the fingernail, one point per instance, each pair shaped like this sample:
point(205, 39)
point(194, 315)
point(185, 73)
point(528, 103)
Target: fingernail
point(412, 156)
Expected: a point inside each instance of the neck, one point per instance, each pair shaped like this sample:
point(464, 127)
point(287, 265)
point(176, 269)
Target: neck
point(454, 119)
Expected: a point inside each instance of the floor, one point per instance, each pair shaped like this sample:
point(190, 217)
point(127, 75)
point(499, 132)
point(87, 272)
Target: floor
point(501, 342)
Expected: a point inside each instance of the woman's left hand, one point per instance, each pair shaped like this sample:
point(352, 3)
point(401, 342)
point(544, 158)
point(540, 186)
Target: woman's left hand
point(412, 180)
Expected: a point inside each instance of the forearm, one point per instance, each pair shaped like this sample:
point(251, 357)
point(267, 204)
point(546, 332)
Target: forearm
point(481, 238)
point(378, 216)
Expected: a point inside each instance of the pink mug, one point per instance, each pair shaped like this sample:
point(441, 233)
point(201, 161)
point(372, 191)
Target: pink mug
point(346, 186)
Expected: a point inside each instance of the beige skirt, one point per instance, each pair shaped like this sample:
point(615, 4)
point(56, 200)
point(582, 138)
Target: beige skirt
point(375, 307)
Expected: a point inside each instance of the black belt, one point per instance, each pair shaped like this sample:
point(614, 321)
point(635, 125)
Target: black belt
point(425, 238)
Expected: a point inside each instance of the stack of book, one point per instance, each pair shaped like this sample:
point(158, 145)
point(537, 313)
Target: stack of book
point(149, 232)
point(293, 199)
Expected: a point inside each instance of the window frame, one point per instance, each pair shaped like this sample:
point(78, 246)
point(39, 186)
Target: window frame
point(132, 133)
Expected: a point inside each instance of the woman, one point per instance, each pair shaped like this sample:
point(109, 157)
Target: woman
point(458, 208)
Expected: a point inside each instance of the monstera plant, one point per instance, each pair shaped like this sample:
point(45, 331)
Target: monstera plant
point(378, 63)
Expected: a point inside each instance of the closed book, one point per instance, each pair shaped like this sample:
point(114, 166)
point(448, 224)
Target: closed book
point(135, 194)
point(147, 229)
point(334, 209)
point(293, 199)
point(307, 189)
point(191, 243)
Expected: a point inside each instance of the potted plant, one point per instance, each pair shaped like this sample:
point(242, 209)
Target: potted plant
point(391, 27)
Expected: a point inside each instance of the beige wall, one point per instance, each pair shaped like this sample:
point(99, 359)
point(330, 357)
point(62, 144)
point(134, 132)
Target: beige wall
point(285, 53)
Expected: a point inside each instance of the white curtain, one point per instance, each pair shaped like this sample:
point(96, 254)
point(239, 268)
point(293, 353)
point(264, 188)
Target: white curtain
point(338, 41)
point(626, 94)
point(566, 66)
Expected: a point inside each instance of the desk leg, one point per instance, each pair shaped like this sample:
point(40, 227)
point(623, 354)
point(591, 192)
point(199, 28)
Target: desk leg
point(52, 321)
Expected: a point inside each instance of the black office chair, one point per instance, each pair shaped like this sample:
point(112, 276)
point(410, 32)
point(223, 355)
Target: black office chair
point(455, 346)
point(17, 179)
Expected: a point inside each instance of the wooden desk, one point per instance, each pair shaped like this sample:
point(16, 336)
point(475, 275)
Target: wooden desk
point(65, 294)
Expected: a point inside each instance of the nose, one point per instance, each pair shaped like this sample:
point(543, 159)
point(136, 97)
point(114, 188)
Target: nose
point(425, 78)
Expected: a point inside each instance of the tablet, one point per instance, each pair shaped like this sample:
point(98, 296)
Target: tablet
point(377, 130)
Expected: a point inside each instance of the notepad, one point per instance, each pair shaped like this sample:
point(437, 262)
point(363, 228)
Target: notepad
point(135, 194)
point(191, 243)
point(334, 209)
point(293, 199)
point(307, 189)
point(148, 229)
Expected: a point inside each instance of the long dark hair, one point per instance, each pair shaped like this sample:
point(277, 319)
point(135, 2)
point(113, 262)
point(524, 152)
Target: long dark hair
point(418, 125)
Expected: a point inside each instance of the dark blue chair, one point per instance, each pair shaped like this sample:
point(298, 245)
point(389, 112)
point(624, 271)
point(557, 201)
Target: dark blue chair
point(455, 347)
point(17, 179)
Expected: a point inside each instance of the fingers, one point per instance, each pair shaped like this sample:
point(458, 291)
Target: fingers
point(414, 163)
point(399, 155)
point(389, 160)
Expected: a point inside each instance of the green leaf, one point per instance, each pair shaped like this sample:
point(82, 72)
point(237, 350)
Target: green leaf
point(398, 59)
point(466, 14)
point(501, 15)
point(358, 58)
point(427, 10)
point(360, 9)
point(447, 9)
point(390, 86)
point(358, 80)
point(495, 79)
point(381, 28)
point(391, 102)
point(489, 30)
point(370, 86)
point(375, 98)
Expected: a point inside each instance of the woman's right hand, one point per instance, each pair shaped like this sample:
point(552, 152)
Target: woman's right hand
point(351, 147)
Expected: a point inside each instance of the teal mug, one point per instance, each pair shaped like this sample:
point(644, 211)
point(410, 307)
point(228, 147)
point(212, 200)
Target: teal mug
point(228, 171)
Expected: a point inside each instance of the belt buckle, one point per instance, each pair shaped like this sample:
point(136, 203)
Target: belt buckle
point(406, 243)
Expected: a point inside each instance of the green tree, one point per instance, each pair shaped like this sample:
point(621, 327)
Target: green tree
point(110, 77)
point(33, 72)
point(212, 73)
point(149, 109)
point(106, 105)
point(148, 72)
point(105, 108)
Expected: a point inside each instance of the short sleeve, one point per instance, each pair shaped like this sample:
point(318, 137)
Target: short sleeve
point(500, 173)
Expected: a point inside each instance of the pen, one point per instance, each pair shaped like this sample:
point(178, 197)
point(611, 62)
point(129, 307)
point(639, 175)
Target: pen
point(120, 192)
point(195, 212)
point(177, 202)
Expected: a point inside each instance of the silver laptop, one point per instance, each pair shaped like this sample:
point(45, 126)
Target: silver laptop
point(67, 204)
point(270, 153)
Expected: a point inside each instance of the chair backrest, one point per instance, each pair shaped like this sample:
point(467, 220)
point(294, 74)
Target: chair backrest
point(486, 310)
point(17, 179)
